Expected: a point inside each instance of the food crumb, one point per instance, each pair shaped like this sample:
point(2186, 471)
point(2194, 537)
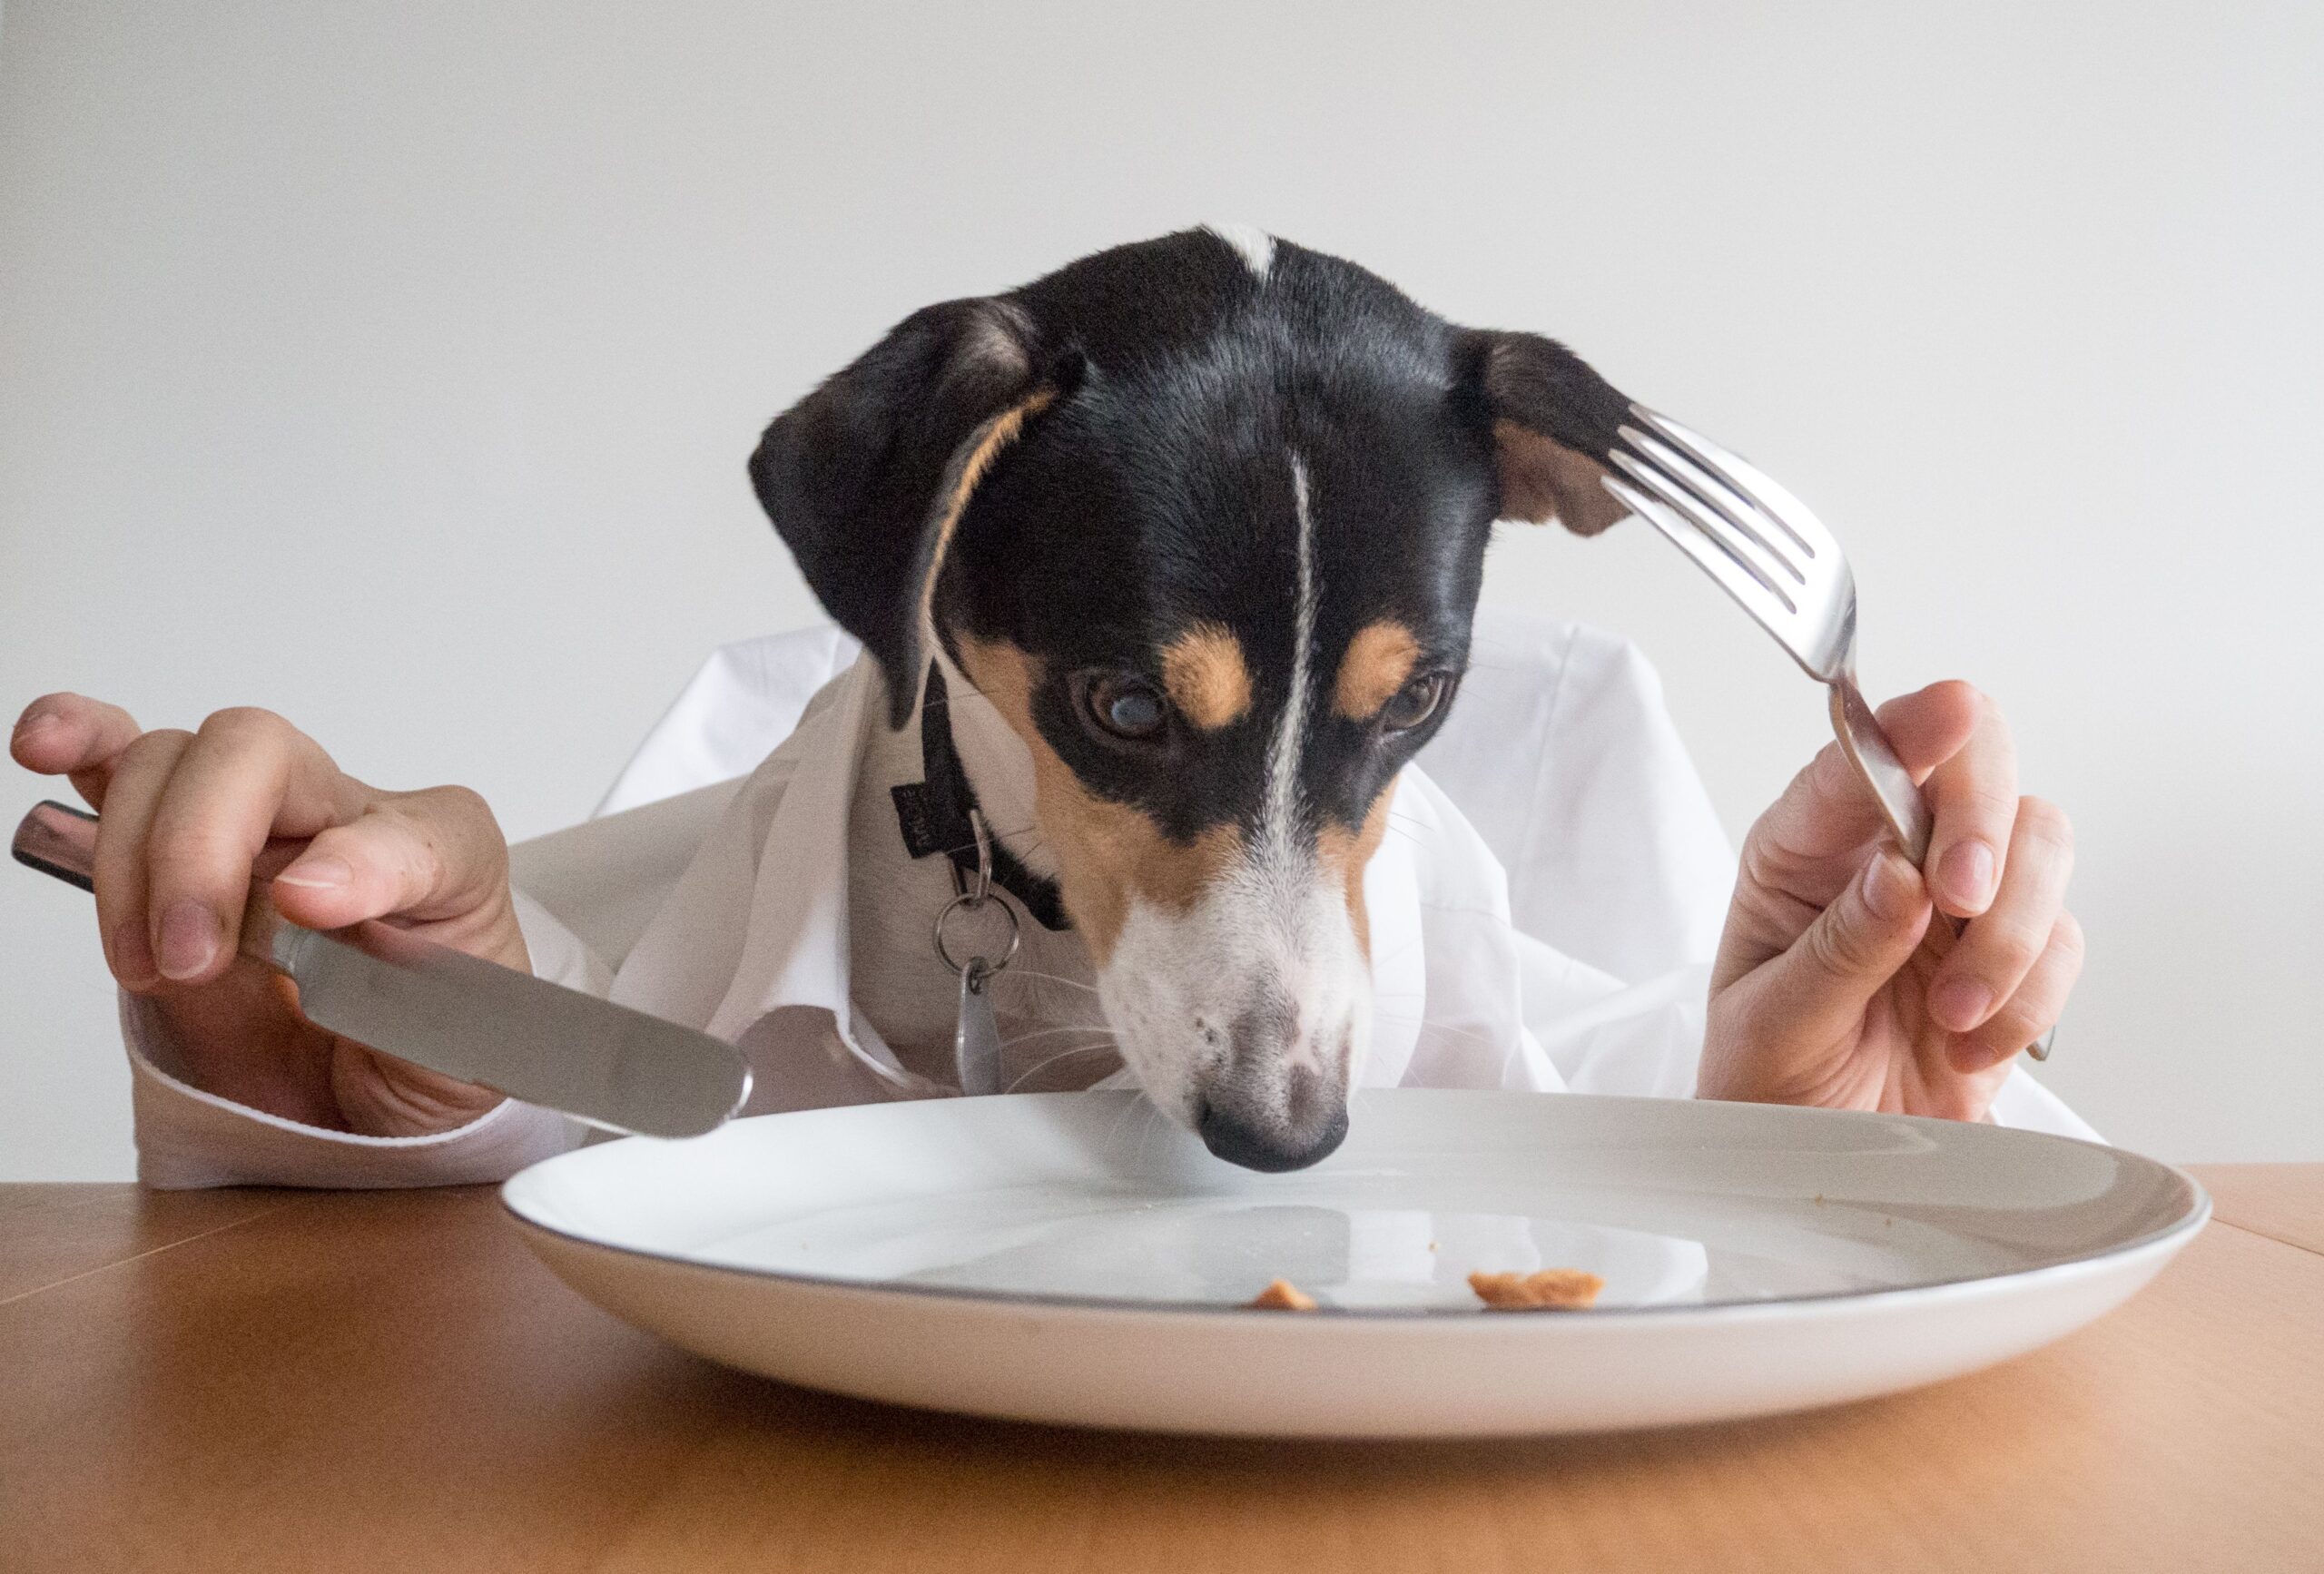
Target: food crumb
point(1820, 1199)
point(1282, 1295)
point(1431, 1245)
point(1550, 1290)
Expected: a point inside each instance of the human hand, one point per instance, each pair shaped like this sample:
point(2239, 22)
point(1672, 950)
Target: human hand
point(192, 823)
point(1829, 988)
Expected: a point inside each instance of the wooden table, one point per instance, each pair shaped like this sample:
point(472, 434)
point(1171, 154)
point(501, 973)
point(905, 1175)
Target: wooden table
point(258, 1380)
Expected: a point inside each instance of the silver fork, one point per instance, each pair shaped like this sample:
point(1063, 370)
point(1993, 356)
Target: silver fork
point(1776, 558)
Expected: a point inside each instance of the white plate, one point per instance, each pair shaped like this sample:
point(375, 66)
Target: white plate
point(1070, 1257)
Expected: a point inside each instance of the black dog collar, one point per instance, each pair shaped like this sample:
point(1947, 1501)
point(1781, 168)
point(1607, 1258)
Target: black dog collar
point(934, 814)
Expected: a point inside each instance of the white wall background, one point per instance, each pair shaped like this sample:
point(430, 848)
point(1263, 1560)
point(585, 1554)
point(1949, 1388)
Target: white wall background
point(393, 366)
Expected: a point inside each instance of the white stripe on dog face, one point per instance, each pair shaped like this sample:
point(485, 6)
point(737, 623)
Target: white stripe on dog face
point(1231, 969)
point(1256, 246)
point(1279, 820)
point(1253, 1003)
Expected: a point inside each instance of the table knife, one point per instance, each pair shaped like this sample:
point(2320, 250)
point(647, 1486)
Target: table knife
point(403, 995)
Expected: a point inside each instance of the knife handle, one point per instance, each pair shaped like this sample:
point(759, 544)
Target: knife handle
point(59, 840)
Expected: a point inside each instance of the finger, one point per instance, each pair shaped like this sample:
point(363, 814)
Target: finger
point(74, 736)
point(1825, 812)
point(1973, 794)
point(1828, 812)
point(2000, 946)
point(247, 775)
point(2033, 1011)
point(420, 855)
point(1931, 724)
point(1817, 989)
point(118, 867)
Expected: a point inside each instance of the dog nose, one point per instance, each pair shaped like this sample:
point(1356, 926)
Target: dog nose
point(1276, 1106)
point(1263, 1141)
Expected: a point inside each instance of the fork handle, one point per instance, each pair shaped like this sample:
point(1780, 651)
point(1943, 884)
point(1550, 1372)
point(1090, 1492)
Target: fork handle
point(1901, 804)
point(1869, 750)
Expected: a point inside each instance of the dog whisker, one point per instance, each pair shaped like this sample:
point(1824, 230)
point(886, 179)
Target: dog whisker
point(1053, 1032)
point(1471, 1033)
point(1113, 1132)
point(1062, 1054)
point(1139, 1116)
point(1022, 972)
point(970, 846)
point(1147, 1137)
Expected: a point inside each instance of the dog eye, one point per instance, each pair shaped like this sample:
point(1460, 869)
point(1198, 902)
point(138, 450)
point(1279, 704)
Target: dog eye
point(1413, 704)
point(1127, 707)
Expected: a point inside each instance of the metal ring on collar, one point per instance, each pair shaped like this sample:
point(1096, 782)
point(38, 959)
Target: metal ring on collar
point(984, 862)
point(972, 901)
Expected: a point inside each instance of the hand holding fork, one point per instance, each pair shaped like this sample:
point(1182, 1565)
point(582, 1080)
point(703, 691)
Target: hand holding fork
point(1996, 968)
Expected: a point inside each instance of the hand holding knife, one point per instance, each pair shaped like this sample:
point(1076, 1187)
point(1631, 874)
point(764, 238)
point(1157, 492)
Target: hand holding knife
point(460, 1015)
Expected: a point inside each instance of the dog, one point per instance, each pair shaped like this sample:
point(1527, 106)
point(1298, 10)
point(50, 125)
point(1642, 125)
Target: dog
point(1203, 521)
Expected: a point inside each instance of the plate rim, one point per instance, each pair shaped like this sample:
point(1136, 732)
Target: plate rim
point(2172, 1236)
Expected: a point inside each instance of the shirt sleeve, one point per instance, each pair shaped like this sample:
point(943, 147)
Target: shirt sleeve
point(188, 1137)
point(2025, 1104)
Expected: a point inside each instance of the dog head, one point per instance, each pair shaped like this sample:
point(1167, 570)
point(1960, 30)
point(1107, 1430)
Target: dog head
point(1206, 518)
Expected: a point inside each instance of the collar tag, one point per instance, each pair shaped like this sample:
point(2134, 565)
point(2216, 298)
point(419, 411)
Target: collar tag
point(913, 818)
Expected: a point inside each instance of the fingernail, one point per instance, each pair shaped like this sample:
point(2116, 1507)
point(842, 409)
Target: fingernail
point(1960, 1004)
point(133, 958)
point(1887, 886)
point(189, 941)
point(1969, 873)
point(34, 721)
point(318, 872)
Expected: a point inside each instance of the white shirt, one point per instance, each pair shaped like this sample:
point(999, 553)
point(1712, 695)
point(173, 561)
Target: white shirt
point(1545, 920)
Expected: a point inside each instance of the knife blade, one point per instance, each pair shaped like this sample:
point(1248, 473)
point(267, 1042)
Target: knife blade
point(394, 992)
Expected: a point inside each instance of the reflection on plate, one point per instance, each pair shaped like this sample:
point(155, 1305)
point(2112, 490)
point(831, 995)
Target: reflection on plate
point(1069, 1257)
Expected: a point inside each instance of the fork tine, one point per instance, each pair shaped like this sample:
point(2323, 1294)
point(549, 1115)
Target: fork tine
point(1740, 579)
point(1748, 482)
point(1669, 477)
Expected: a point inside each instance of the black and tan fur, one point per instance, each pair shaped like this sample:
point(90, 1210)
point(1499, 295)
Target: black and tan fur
point(1257, 482)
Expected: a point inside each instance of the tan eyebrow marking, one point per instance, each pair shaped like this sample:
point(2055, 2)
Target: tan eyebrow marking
point(1207, 678)
point(1379, 660)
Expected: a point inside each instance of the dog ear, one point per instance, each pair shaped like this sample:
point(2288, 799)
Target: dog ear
point(1553, 422)
point(866, 478)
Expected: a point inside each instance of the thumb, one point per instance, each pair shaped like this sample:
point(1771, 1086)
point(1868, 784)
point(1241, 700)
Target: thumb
point(428, 856)
point(1817, 989)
